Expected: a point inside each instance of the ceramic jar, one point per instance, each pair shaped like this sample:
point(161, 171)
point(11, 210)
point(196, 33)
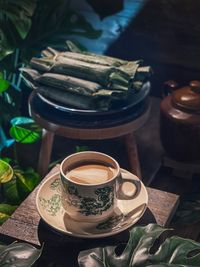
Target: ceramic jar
point(180, 122)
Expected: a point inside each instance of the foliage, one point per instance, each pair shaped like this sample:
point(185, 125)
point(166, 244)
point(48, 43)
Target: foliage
point(3, 84)
point(23, 25)
point(20, 185)
point(15, 186)
point(15, 23)
point(189, 209)
point(23, 33)
point(24, 130)
point(174, 251)
point(6, 211)
point(6, 172)
point(16, 183)
point(18, 254)
point(81, 148)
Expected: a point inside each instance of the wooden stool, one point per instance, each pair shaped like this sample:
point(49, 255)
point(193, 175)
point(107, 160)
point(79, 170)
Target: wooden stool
point(75, 131)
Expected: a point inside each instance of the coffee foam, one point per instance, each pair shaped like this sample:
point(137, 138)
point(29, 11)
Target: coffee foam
point(91, 174)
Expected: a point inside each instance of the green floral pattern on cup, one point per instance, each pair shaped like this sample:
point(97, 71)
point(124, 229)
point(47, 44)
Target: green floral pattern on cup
point(55, 185)
point(92, 205)
point(52, 205)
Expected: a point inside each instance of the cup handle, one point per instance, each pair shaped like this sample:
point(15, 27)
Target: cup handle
point(132, 194)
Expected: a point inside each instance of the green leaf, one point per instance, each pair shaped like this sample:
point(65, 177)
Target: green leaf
point(19, 13)
point(3, 217)
point(188, 211)
point(81, 148)
point(26, 181)
point(5, 211)
point(11, 192)
point(24, 130)
point(173, 251)
point(6, 159)
point(19, 254)
point(15, 23)
point(7, 39)
point(6, 172)
point(3, 84)
point(62, 23)
point(10, 106)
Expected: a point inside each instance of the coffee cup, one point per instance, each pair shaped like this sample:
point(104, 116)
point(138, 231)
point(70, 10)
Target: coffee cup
point(91, 184)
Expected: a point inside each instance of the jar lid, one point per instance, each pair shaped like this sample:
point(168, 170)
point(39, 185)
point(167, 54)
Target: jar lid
point(188, 98)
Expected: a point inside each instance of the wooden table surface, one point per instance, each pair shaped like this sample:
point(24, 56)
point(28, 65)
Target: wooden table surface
point(25, 225)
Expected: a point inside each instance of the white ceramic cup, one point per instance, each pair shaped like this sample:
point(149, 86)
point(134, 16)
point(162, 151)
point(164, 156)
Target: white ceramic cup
point(93, 202)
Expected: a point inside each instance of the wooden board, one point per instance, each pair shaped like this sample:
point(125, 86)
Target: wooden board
point(25, 223)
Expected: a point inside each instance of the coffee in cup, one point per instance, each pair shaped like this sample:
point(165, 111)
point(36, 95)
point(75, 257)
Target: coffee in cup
point(91, 183)
point(91, 173)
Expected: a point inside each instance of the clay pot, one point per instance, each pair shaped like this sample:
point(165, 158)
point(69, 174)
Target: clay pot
point(180, 122)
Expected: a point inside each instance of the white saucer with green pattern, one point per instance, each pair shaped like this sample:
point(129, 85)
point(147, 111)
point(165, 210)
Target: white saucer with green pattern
point(126, 214)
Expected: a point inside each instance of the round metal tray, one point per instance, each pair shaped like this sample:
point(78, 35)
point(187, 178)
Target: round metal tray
point(133, 100)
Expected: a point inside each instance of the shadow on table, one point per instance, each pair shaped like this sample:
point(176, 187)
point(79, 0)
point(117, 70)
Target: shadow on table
point(63, 250)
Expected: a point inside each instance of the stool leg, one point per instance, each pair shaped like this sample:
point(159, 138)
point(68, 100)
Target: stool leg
point(45, 152)
point(132, 152)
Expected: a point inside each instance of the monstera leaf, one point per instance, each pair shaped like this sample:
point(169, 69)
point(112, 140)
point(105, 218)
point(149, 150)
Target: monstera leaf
point(15, 23)
point(62, 23)
point(18, 254)
point(32, 25)
point(174, 251)
point(24, 130)
point(189, 209)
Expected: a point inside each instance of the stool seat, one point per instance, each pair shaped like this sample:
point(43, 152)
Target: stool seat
point(90, 127)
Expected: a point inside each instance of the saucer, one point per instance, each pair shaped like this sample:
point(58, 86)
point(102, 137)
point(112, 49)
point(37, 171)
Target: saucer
point(126, 213)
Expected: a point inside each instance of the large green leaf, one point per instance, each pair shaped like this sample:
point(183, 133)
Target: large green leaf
point(8, 39)
point(5, 212)
point(20, 13)
point(6, 172)
point(188, 211)
point(11, 193)
point(10, 104)
point(3, 84)
point(24, 130)
point(174, 251)
point(26, 181)
point(15, 23)
point(23, 182)
point(18, 254)
point(23, 25)
point(62, 22)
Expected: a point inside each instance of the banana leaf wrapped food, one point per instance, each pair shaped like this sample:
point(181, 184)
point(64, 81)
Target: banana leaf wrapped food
point(83, 79)
point(71, 91)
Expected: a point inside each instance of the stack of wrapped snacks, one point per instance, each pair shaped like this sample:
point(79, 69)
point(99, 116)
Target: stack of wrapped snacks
point(85, 80)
